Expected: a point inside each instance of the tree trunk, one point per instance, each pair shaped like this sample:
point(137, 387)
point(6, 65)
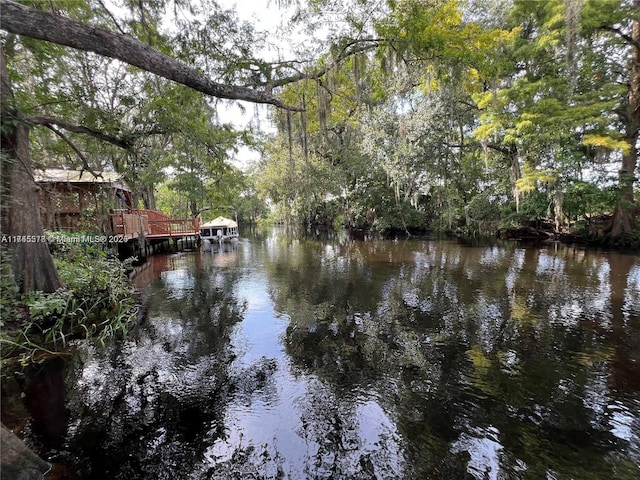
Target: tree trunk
point(558, 214)
point(29, 257)
point(148, 197)
point(193, 207)
point(624, 214)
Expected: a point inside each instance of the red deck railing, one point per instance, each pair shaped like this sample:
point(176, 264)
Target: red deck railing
point(152, 224)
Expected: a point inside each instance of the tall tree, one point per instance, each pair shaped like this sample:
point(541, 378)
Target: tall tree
point(41, 25)
point(571, 90)
point(627, 207)
point(29, 257)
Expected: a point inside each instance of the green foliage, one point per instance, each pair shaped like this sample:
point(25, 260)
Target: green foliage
point(484, 213)
point(248, 202)
point(533, 178)
point(165, 126)
point(533, 206)
point(583, 200)
point(9, 291)
point(171, 201)
point(402, 218)
point(434, 32)
point(97, 302)
point(295, 183)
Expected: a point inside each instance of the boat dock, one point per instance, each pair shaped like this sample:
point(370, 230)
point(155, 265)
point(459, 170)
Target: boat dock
point(145, 230)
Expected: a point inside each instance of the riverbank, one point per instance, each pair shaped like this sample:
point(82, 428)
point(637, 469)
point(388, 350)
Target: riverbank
point(526, 234)
point(97, 301)
point(38, 330)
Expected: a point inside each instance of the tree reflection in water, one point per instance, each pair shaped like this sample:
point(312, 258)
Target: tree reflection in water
point(503, 359)
point(337, 359)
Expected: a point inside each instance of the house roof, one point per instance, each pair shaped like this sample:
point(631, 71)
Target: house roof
point(219, 222)
point(58, 175)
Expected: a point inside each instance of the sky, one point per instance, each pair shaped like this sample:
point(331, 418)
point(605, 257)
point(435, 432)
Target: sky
point(266, 15)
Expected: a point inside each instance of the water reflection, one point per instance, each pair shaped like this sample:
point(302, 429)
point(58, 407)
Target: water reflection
point(294, 358)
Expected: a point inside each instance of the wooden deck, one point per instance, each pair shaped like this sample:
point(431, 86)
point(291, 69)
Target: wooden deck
point(151, 224)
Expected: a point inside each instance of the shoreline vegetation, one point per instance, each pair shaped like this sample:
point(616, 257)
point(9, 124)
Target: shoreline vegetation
point(97, 301)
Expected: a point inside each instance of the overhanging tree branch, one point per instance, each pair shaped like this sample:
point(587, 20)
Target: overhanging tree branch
point(627, 38)
point(85, 164)
point(49, 122)
point(46, 26)
point(351, 48)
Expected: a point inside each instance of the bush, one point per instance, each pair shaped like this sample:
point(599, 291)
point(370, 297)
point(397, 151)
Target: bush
point(97, 301)
point(583, 200)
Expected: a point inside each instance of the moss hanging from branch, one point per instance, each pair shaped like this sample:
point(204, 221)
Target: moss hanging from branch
point(303, 128)
point(572, 25)
point(323, 105)
point(290, 136)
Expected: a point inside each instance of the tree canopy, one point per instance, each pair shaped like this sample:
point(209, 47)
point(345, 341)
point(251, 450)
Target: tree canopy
point(395, 115)
point(477, 115)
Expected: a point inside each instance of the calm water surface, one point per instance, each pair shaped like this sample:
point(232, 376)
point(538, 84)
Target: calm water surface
point(282, 358)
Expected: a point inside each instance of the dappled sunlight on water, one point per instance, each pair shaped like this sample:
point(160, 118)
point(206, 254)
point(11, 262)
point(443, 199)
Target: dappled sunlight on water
point(339, 359)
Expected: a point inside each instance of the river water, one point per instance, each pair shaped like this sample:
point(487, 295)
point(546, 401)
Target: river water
point(289, 358)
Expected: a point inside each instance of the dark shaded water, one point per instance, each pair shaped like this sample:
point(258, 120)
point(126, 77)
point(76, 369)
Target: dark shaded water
point(339, 359)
